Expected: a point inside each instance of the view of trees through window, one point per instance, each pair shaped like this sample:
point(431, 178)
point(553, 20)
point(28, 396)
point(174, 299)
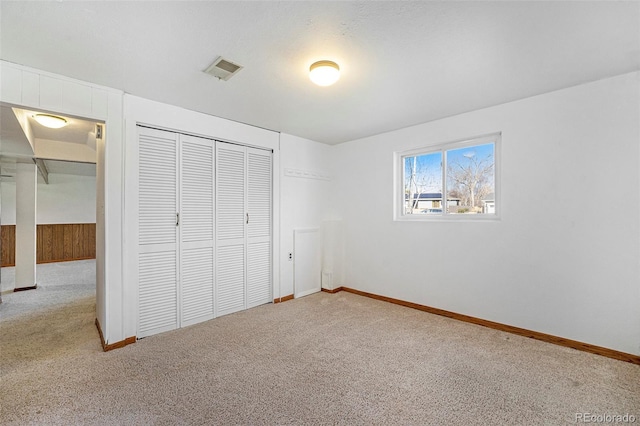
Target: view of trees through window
point(466, 175)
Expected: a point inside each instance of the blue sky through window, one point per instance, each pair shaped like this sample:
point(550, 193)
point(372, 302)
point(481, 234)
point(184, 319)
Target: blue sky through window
point(470, 177)
point(428, 173)
point(461, 155)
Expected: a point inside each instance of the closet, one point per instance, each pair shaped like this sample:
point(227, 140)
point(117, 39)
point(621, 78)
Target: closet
point(204, 229)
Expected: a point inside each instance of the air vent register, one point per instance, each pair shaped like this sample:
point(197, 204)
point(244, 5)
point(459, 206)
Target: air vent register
point(223, 69)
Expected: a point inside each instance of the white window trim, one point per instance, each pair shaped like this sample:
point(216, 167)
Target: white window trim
point(398, 185)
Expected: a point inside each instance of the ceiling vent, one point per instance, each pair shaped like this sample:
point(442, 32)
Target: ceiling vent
point(223, 69)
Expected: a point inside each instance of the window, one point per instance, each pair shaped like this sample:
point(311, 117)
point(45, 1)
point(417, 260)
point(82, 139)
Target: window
point(452, 180)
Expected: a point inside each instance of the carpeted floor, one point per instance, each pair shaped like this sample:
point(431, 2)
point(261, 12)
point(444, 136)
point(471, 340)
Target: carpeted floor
point(59, 284)
point(321, 359)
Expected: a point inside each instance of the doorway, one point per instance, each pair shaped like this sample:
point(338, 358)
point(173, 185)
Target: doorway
point(64, 161)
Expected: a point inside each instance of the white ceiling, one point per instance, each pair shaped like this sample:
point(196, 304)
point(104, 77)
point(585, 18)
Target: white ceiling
point(403, 63)
point(15, 146)
point(76, 131)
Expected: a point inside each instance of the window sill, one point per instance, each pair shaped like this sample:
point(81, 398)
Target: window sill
point(447, 218)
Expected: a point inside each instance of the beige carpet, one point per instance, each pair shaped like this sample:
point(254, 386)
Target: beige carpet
point(59, 284)
point(321, 359)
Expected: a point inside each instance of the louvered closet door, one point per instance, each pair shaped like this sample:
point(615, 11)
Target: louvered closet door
point(259, 227)
point(230, 228)
point(196, 229)
point(157, 231)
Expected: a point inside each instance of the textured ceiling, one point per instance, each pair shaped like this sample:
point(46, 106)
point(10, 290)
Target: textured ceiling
point(403, 63)
point(76, 131)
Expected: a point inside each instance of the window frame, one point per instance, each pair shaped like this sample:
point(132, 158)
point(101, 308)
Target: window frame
point(399, 213)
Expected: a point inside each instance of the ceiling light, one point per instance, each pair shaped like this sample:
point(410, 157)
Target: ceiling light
point(52, 121)
point(324, 73)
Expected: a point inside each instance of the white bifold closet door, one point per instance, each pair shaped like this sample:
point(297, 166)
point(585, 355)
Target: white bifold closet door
point(259, 218)
point(243, 227)
point(196, 229)
point(157, 231)
point(176, 230)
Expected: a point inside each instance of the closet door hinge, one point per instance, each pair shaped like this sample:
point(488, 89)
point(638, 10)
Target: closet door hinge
point(177, 219)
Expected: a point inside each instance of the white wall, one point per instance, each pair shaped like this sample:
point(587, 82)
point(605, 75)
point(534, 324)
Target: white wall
point(8, 196)
point(304, 199)
point(66, 199)
point(557, 262)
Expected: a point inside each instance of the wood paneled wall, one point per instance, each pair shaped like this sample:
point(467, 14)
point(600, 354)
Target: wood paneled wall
point(8, 241)
point(54, 243)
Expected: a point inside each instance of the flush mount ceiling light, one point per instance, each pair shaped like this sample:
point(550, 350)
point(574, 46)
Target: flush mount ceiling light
point(324, 73)
point(52, 121)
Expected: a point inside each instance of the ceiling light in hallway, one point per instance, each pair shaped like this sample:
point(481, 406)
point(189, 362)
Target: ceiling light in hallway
point(52, 121)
